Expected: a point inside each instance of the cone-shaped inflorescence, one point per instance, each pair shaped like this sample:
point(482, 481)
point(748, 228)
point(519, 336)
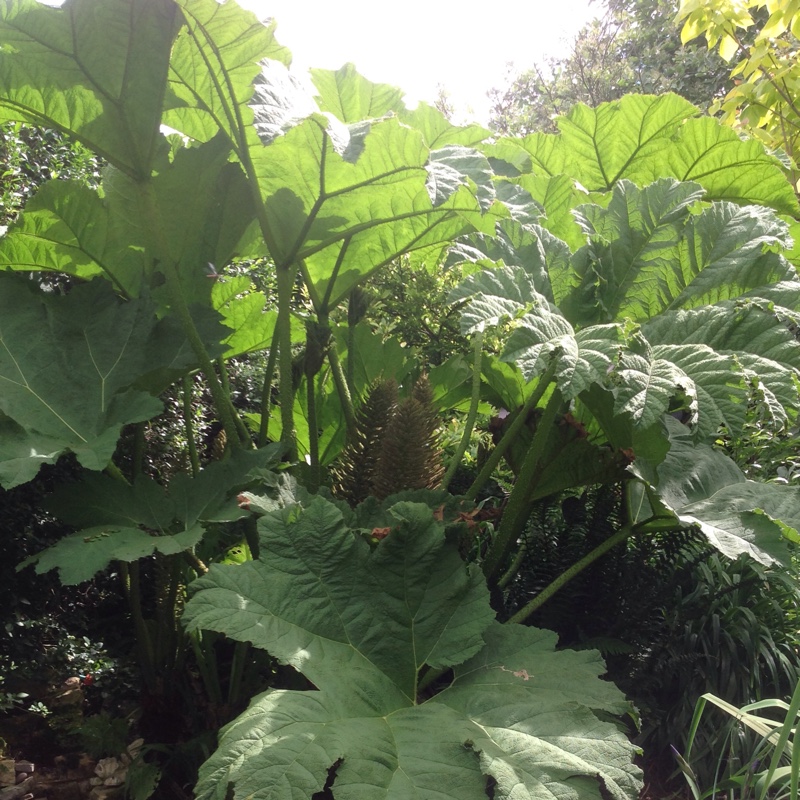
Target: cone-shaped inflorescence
point(355, 469)
point(396, 445)
point(410, 455)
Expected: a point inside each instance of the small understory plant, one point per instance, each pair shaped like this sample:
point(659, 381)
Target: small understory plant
point(771, 766)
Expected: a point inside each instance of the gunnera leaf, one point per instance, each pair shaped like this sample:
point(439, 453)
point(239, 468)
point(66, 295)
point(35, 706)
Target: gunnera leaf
point(704, 488)
point(124, 522)
point(364, 625)
point(71, 369)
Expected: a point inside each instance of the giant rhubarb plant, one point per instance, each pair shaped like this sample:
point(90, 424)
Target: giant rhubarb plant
point(366, 627)
point(674, 307)
point(628, 263)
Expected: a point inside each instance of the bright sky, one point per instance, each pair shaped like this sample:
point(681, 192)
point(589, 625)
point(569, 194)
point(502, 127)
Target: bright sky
point(418, 44)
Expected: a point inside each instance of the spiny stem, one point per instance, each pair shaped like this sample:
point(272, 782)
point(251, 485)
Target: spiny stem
point(115, 472)
point(519, 502)
point(207, 666)
point(472, 414)
point(194, 562)
point(511, 572)
point(510, 435)
point(244, 434)
point(240, 653)
point(130, 577)
point(313, 433)
point(285, 278)
point(266, 390)
point(188, 424)
point(345, 398)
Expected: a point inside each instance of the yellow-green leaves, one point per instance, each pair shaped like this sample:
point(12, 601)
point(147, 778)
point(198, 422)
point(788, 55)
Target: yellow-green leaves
point(764, 99)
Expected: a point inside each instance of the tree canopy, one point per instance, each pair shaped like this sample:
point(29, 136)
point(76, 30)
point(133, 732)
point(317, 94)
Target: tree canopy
point(634, 48)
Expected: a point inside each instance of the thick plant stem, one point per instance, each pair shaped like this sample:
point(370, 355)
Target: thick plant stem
point(115, 472)
point(266, 391)
point(519, 502)
point(351, 361)
point(285, 278)
point(240, 653)
point(194, 562)
point(244, 434)
point(565, 577)
point(188, 424)
point(138, 450)
point(510, 435)
point(144, 644)
point(313, 434)
point(345, 398)
point(472, 414)
point(207, 666)
point(509, 574)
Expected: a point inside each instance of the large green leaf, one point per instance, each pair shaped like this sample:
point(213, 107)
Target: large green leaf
point(651, 252)
point(351, 98)
point(438, 131)
point(642, 138)
point(126, 522)
point(760, 350)
point(201, 226)
point(647, 254)
point(73, 229)
point(558, 195)
point(67, 227)
point(632, 245)
point(213, 67)
point(343, 192)
point(94, 68)
point(368, 623)
point(345, 201)
point(80, 556)
point(544, 258)
point(539, 333)
point(702, 487)
point(68, 366)
point(246, 313)
point(710, 387)
point(728, 251)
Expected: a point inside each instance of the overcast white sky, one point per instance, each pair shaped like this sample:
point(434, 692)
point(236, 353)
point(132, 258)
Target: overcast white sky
point(419, 44)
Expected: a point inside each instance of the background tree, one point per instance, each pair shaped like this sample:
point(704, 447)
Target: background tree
point(763, 100)
point(634, 48)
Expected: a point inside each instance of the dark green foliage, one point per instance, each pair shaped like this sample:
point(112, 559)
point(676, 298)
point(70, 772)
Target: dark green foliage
point(729, 628)
point(50, 632)
point(610, 605)
point(30, 156)
point(673, 618)
point(410, 303)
